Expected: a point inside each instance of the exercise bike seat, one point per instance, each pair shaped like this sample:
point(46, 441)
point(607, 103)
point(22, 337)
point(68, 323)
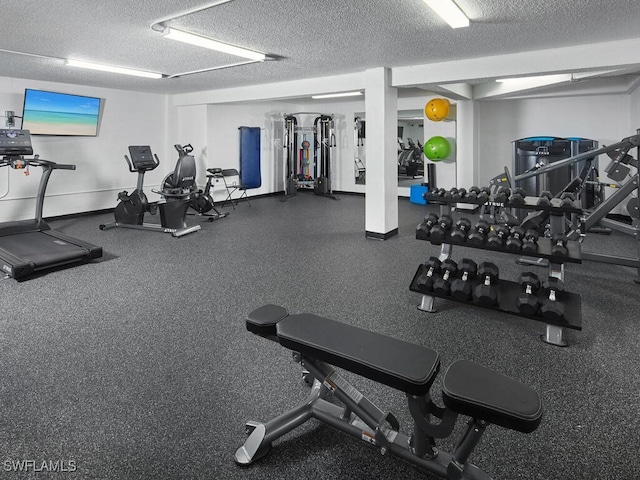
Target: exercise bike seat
point(473, 390)
point(214, 172)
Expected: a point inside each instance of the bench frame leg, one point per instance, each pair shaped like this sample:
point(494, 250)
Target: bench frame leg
point(360, 418)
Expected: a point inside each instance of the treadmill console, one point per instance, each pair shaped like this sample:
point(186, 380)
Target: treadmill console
point(14, 143)
point(142, 158)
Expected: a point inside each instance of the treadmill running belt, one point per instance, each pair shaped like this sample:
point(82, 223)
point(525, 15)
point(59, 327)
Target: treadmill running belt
point(42, 250)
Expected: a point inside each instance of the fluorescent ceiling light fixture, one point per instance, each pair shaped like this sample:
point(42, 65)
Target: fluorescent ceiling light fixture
point(205, 42)
point(449, 12)
point(337, 95)
point(211, 69)
point(562, 77)
point(108, 68)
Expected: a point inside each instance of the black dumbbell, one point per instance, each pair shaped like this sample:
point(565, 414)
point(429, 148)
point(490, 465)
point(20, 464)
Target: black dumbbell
point(455, 194)
point(545, 199)
point(424, 282)
point(463, 226)
point(559, 242)
point(486, 293)
point(483, 196)
point(527, 302)
point(514, 242)
point(530, 241)
point(450, 193)
point(502, 194)
point(423, 230)
point(517, 196)
point(552, 308)
point(497, 236)
point(472, 194)
point(440, 229)
point(442, 285)
point(481, 230)
point(461, 287)
point(567, 199)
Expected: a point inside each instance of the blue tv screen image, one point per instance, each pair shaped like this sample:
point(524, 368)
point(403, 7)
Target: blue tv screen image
point(51, 113)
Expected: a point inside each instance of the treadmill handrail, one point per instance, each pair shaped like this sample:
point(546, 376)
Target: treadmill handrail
point(36, 162)
point(47, 167)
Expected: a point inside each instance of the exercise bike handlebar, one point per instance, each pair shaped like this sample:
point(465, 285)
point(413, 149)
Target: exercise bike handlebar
point(183, 149)
point(142, 166)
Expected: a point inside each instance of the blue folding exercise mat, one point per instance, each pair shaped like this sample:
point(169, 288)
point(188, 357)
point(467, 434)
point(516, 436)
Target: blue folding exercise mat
point(250, 157)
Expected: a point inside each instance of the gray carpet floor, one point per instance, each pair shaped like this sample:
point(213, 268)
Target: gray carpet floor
point(139, 365)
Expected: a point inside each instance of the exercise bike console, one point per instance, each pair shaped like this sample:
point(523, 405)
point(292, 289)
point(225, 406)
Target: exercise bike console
point(142, 160)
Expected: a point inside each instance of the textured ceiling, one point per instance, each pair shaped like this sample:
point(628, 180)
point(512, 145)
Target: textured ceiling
point(310, 38)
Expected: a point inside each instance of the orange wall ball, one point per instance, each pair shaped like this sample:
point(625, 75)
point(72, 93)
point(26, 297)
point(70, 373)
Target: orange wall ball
point(437, 109)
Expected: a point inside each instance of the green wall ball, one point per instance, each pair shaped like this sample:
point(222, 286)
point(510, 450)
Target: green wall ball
point(437, 148)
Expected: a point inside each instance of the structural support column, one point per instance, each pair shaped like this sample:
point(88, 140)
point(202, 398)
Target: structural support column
point(381, 193)
point(466, 136)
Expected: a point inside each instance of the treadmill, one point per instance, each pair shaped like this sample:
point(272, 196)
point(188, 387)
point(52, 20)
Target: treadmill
point(30, 246)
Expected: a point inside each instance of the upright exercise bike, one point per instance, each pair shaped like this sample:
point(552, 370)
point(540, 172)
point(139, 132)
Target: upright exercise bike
point(178, 188)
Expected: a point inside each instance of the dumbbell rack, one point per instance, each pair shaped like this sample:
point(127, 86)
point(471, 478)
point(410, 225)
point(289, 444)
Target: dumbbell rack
point(508, 291)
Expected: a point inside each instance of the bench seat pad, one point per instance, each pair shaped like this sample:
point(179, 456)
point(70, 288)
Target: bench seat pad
point(396, 363)
point(478, 392)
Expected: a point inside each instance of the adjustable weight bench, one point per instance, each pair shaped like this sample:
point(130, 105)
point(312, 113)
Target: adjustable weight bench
point(469, 389)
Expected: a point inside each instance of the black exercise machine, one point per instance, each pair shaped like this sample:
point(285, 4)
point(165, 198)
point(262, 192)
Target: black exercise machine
point(30, 246)
point(178, 190)
point(301, 171)
point(410, 159)
point(469, 389)
point(627, 183)
point(202, 201)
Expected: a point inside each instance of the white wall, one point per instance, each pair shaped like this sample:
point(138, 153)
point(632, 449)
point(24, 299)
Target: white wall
point(134, 118)
point(213, 132)
point(128, 118)
point(603, 118)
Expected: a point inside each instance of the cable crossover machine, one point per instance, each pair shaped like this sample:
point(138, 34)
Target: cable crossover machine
point(308, 165)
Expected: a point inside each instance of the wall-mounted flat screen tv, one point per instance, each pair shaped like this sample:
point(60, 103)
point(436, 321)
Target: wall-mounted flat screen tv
point(51, 113)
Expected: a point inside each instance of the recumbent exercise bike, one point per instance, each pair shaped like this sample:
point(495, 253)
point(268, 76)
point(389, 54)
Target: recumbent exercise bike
point(178, 189)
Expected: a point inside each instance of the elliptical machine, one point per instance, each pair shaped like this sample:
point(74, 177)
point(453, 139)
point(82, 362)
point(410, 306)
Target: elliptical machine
point(202, 201)
point(178, 187)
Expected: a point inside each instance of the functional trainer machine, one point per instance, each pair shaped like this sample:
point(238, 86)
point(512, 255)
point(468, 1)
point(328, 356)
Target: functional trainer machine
point(469, 389)
point(359, 126)
point(308, 166)
point(30, 246)
point(178, 189)
point(627, 184)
